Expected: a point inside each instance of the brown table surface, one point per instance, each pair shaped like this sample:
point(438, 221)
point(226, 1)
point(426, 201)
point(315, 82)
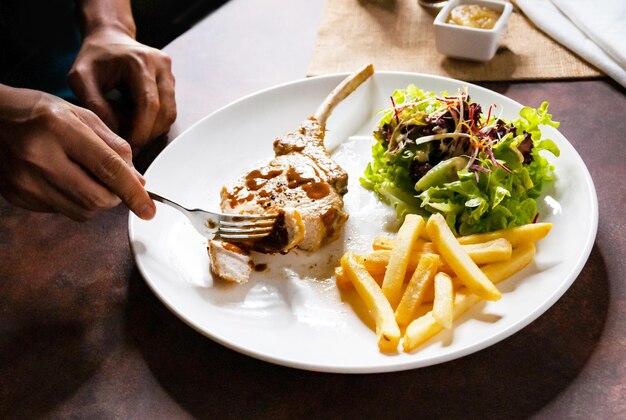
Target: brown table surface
point(81, 335)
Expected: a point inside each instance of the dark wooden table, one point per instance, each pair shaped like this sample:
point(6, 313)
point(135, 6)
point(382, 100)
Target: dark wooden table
point(82, 336)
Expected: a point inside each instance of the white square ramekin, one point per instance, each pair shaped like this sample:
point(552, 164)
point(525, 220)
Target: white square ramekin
point(471, 43)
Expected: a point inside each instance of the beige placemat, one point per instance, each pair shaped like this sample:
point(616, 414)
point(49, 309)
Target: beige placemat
point(398, 35)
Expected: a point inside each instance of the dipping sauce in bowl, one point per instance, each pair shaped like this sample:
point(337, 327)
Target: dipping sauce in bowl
point(471, 29)
point(474, 16)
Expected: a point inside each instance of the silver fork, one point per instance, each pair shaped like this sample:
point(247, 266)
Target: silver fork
point(232, 227)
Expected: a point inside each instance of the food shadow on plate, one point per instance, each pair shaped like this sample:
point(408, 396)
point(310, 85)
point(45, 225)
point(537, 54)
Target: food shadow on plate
point(445, 338)
point(477, 313)
point(358, 306)
point(510, 284)
point(282, 281)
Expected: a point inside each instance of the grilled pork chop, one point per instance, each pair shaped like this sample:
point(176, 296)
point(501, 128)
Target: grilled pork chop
point(302, 184)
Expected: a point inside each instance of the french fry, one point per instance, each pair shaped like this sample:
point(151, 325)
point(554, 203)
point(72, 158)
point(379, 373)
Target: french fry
point(500, 254)
point(387, 329)
point(399, 259)
point(443, 304)
point(488, 252)
point(382, 240)
point(341, 280)
point(456, 257)
point(426, 326)
point(385, 242)
point(415, 290)
point(344, 283)
point(376, 270)
point(376, 261)
point(520, 258)
point(516, 236)
point(481, 253)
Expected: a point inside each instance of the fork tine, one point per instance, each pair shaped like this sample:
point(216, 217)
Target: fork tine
point(261, 223)
point(245, 217)
point(227, 230)
point(242, 237)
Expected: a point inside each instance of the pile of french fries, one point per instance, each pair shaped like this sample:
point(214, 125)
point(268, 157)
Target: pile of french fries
point(416, 284)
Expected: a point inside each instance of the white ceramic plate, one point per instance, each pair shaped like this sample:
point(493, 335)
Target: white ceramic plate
point(292, 314)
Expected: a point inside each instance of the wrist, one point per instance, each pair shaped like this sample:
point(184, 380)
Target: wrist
point(108, 35)
point(111, 17)
point(111, 28)
point(17, 105)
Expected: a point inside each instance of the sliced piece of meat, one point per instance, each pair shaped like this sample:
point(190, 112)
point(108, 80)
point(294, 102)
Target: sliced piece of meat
point(229, 261)
point(302, 178)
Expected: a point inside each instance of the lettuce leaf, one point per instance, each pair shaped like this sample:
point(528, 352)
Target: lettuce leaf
point(503, 195)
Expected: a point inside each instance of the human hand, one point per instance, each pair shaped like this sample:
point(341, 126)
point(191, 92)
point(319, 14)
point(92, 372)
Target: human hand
point(110, 58)
point(58, 157)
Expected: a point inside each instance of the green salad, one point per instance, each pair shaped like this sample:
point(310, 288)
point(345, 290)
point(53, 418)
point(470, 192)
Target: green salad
point(442, 153)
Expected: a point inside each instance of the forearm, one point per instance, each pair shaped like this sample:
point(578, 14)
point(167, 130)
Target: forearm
point(106, 15)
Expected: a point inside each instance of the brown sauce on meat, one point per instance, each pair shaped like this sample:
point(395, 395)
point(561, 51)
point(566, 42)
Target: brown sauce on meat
point(255, 183)
point(300, 176)
point(236, 198)
point(288, 144)
point(264, 193)
point(259, 177)
point(233, 248)
point(307, 177)
point(316, 190)
point(232, 197)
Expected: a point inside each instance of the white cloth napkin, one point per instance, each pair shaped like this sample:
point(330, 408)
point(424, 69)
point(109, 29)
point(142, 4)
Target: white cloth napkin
point(595, 30)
